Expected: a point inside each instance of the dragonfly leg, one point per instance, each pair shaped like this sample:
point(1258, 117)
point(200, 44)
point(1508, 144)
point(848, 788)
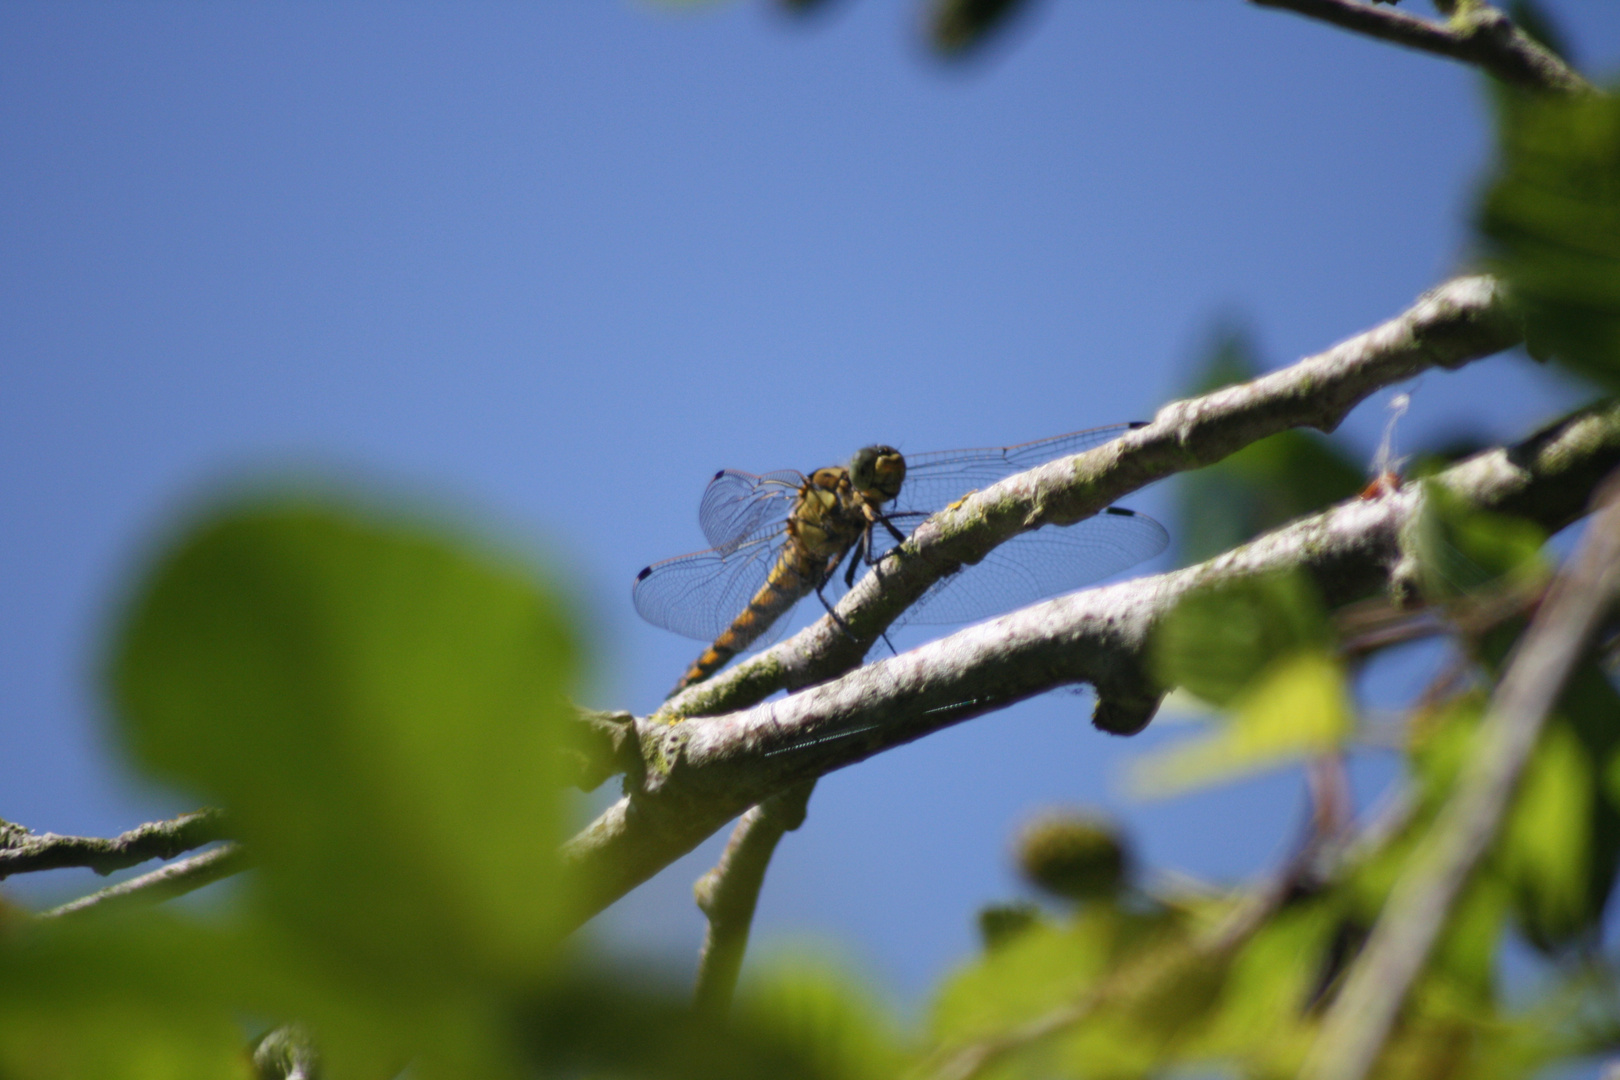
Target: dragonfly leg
point(899, 537)
point(842, 625)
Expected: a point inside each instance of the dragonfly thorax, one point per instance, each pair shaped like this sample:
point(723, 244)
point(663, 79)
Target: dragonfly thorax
point(877, 472)
point(826, 517)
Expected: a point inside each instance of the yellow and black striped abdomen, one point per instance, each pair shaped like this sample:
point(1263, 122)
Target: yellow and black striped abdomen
point(790, 579)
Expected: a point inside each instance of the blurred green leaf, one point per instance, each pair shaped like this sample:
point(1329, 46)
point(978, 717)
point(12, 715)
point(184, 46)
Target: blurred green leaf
point(1560, 847)
point(1263, 1016)
point(1001, 923)
point(1219, 639)
point(376, 706)
point(1546, 844)
point(1551, 219)
point(831, 1020)
point(1589, 704)
point(1263, 485)
point(1463, 968)
point(1121, 991)
point(1043, 968)
point(194, 988)
point(1461, 549)
point(1299, 707)
point(796, 1021)
point(1439, 741)
point(115, 1002)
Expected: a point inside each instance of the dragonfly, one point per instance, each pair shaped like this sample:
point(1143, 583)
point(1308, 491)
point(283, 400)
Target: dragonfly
point(776, 538)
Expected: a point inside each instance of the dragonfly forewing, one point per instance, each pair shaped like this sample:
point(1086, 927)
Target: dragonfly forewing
point(937, 479)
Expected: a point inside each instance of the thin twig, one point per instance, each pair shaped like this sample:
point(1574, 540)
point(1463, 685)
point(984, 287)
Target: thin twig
point(729, 893)
point(162, 884)
point(23, 852)
point(1478, 34)
point(1370, 625)
point(1361, 1018)
point(710, 769)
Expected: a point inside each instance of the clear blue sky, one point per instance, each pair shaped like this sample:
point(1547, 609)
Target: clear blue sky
point(553, 264)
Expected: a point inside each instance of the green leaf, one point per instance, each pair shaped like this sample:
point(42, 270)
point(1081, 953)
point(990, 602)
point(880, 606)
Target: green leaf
point(797, 1021)
point(1440, 741)
point(1462, 971)
point(1461, 549)
point(376, 705)
point(1559, 850)
point(81, 1001)
point(1041, 969)
point(1263, 1018)
point(1001, 923)
point(1298, 708)
point(1551, 219)
point(1218, 640)
point(1547, 841)
point(828, 1019)
point(1589, 704)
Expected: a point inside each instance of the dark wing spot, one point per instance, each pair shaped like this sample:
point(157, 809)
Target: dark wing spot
point(718, 475)
point(1134, 424)
point(1120, 510)
point(645, 570)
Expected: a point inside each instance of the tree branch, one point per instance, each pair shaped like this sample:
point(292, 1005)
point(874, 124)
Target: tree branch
point(708, 770)
point(1360, 1019)
point(603, 745)
point(728, 893)
point(1478, 34)
point(164, 883)
point(1461, 321)
point(23, 852)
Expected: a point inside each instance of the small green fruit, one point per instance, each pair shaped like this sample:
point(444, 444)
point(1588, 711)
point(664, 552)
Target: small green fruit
point(1075, 856)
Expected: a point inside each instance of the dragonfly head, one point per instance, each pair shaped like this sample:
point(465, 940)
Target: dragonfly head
point(878, 471)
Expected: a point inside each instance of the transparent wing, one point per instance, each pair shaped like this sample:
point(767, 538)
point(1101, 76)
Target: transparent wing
point(698, 595)
point(935, 480)
point(1041, 563)
point(737, 505)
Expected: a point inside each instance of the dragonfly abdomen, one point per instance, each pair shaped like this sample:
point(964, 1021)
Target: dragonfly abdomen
point(793, 575)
